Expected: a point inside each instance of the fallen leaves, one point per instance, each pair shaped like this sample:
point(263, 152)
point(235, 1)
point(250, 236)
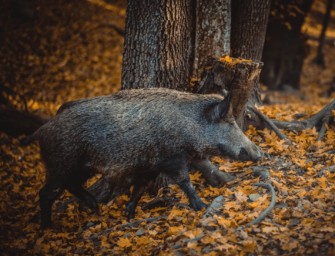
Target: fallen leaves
point(302, 173)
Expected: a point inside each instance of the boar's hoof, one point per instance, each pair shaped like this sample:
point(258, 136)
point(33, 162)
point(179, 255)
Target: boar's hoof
point(130, 210)
point(93, 205)
point(197, 205)
point(218, 179)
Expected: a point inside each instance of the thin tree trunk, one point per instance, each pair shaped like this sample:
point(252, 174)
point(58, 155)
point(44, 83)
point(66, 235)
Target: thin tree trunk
point(286, 47)
point(249, 22)
point(320, 57)
point(213, 23)
point(158, 44)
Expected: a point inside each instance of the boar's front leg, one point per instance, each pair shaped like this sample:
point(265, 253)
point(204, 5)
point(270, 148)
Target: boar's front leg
point(176, 168)
point(84, 196)
point(210, 172)
point(140, 184)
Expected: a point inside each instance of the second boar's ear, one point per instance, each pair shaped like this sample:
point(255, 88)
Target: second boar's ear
point(220, 111)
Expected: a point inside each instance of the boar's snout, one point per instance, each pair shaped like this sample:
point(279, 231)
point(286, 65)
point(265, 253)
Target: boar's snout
point(253, 153)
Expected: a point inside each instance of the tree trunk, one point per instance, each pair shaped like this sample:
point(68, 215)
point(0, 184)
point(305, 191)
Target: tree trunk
point(213, 23)
point(249, 22)
point(158, 50)
point(285, 48)
point(319, 57)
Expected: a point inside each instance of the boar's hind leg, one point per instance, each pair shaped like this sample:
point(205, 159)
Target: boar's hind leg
point(48, 194)
point(210, 172)
point(85, 196)
point(176, 168)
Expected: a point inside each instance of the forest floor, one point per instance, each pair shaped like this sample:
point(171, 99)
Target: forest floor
point(65, 55)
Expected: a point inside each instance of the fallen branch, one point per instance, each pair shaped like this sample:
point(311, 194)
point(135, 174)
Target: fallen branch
point(272, 203)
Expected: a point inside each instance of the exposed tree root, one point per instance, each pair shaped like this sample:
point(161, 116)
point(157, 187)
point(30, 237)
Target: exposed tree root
point(269, 122)
point(314, 121)
point(319, 120)
point(272, 203)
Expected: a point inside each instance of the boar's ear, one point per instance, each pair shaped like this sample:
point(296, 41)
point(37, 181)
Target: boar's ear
point(220, 111)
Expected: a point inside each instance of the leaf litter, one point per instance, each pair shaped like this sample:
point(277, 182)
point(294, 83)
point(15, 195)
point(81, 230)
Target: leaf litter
point(302, 221)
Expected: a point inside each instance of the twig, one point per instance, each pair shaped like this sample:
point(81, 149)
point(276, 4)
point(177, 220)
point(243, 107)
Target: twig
point(214, 207)
point(272, 203)
point(270, 123)
point(331, 169)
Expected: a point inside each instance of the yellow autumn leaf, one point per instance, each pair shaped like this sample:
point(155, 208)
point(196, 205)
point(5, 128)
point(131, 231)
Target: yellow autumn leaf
point(249, 246)
point(193, 233)
point(207, 240)
point(124, 242)
point(175, 212)
point(143, 240)
point(173, 230)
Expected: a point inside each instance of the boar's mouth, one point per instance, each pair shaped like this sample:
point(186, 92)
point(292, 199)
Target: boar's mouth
point(254, 155)
point(242, 155)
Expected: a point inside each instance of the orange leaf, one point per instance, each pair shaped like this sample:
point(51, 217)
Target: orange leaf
point(124, 242)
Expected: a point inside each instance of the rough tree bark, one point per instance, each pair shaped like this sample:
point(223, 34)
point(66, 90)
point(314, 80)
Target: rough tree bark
point(213, 25)
point(158, 49)
point(285, 48)
point(249, 22)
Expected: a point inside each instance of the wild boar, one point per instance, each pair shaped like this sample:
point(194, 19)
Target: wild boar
point(138, 133)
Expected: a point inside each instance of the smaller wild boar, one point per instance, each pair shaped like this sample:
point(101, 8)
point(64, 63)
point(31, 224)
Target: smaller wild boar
point(137, 133)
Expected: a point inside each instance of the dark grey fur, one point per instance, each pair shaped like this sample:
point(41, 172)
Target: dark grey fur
point(137, 133)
